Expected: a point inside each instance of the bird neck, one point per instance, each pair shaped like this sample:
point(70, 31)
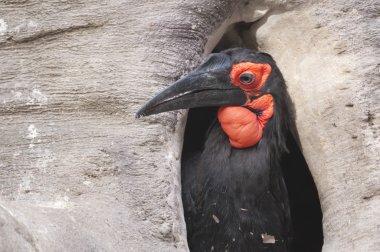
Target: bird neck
point(244, 126)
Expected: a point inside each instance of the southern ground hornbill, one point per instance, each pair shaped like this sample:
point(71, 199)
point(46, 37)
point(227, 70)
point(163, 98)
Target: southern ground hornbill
point(233, 178)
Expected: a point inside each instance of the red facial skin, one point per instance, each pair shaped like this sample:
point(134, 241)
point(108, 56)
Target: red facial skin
point(243, 127)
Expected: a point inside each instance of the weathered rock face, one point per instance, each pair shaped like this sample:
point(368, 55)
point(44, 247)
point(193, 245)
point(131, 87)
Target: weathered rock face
point(329, 55)
point(78, 172)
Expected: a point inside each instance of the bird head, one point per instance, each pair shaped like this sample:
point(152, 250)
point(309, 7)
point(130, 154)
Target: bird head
point(233, 77)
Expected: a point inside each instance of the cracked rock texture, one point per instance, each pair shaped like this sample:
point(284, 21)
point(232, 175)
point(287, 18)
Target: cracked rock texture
point(79, 173)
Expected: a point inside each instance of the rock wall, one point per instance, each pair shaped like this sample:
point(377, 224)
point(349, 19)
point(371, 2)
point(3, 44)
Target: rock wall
point(329, 54)
point(77, 171)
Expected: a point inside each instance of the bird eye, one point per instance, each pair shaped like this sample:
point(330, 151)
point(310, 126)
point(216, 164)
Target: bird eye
point(247, 78)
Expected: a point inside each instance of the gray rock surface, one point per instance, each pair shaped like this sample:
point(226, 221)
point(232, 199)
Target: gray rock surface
point(329, 54)
point(79, 173)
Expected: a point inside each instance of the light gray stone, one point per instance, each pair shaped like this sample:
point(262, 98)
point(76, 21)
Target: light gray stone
point(329, 54)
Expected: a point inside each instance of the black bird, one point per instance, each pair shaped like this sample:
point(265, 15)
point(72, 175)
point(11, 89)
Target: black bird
point(233, 190)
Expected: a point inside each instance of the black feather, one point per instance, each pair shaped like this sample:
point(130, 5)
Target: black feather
point(232, 197)
point(216, 61)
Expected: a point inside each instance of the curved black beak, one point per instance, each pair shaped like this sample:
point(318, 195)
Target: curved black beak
point(208, 85)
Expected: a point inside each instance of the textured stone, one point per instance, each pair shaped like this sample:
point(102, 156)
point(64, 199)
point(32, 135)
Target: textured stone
point(77, 171)
point(329, 54)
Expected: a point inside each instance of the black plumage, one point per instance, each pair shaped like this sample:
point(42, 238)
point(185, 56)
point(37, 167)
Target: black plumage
point(237, 199)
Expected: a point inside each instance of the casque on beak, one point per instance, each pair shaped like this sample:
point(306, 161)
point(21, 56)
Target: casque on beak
point(208, 85)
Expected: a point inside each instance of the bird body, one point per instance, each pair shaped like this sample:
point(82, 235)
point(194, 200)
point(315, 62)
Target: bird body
point(233, 190)
point(233, 198)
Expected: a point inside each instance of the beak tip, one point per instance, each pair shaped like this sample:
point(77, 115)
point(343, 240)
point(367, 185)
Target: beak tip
point(144, 111)
point(139, 115)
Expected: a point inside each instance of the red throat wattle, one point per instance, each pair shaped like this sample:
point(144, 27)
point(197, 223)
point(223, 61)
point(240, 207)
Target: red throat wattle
point(243, 127)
